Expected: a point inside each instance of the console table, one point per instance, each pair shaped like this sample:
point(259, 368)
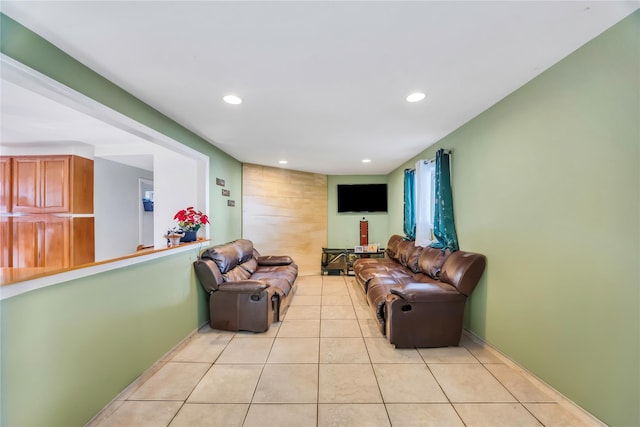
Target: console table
point(340, 261)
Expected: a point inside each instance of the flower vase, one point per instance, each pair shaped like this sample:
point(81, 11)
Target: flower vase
point(174, 239)
point(189, 236)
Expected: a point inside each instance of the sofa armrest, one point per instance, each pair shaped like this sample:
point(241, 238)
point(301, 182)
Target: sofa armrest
point(243, 286)
point(463, 270)
point(274, 260)
point(427, 292)
point(208, 273)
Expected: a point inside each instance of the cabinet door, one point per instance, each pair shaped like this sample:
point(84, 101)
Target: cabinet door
point(5, 242)
point(5, 185)
point(41, 242)
point(54, 181)
point(25, 243)
point(26, 184)
point(82, 240)
point(54, 243)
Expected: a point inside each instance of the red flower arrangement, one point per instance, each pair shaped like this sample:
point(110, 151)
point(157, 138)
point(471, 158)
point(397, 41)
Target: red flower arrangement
point(190, 219)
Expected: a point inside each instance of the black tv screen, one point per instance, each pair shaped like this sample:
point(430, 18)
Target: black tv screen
point(362, 198)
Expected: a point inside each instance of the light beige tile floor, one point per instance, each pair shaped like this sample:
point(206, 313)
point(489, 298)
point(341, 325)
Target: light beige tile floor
point(327, 364)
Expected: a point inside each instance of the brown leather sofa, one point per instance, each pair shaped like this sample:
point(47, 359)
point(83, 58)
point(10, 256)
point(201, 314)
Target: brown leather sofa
point(418, 294)
point(247, 291)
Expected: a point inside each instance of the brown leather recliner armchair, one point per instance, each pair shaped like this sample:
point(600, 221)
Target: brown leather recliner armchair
point(246, 291)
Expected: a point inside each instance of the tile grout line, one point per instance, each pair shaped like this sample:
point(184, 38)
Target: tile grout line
point(200, 380)
point(384, 403)
point(512, 394)
point(443, 391)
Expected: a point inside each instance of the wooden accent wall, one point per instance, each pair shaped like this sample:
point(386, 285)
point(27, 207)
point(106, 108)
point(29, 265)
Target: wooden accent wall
point(284, 212)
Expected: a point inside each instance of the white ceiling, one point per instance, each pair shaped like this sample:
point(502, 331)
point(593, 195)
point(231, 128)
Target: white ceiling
point(323, 83)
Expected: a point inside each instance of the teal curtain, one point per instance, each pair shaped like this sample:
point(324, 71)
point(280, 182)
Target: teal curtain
point(409, 205)
point(444, 227)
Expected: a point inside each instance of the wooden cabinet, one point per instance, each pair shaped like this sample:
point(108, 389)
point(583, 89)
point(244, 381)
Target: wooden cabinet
point(5, 185)
point(50, 241)
point(52, 184)
point(44, 202)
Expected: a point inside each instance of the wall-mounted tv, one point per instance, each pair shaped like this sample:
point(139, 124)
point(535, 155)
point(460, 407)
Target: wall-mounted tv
point(362, 198)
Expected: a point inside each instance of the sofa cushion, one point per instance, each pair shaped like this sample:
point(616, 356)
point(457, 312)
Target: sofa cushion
point(363, 264)
point(225, 256)
point(280, 284)
point(392, 246)
point(431, 260)
point(285, 272)
point(384, 281)
point(236, 274)
point(245, 250)
point(366, 273)
point(275, 260)
point(408, 255)
point(251, 265)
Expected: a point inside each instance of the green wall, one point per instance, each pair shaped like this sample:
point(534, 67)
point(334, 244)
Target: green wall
point(68, 349)
point(344, 228)
point(547, 185)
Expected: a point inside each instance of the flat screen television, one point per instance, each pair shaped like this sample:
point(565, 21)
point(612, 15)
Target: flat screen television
point(362, 198)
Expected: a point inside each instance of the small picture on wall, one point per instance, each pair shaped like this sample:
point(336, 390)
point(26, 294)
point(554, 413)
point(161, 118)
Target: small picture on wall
point(220, 182)
point(231, 202)
point(358, 249)
point(226, 192)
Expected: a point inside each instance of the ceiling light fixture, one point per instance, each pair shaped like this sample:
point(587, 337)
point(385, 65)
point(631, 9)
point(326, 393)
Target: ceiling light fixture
point(232, 99)
point(416, 97)
point(366, 160)
point(283, 162)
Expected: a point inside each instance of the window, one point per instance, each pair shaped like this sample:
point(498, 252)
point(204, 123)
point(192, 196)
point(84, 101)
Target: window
point(424, 201)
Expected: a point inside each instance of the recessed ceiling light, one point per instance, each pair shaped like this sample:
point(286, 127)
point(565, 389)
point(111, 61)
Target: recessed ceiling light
point(283, 162)
point(416, 97)
point(232, 99)
point(366, 160)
